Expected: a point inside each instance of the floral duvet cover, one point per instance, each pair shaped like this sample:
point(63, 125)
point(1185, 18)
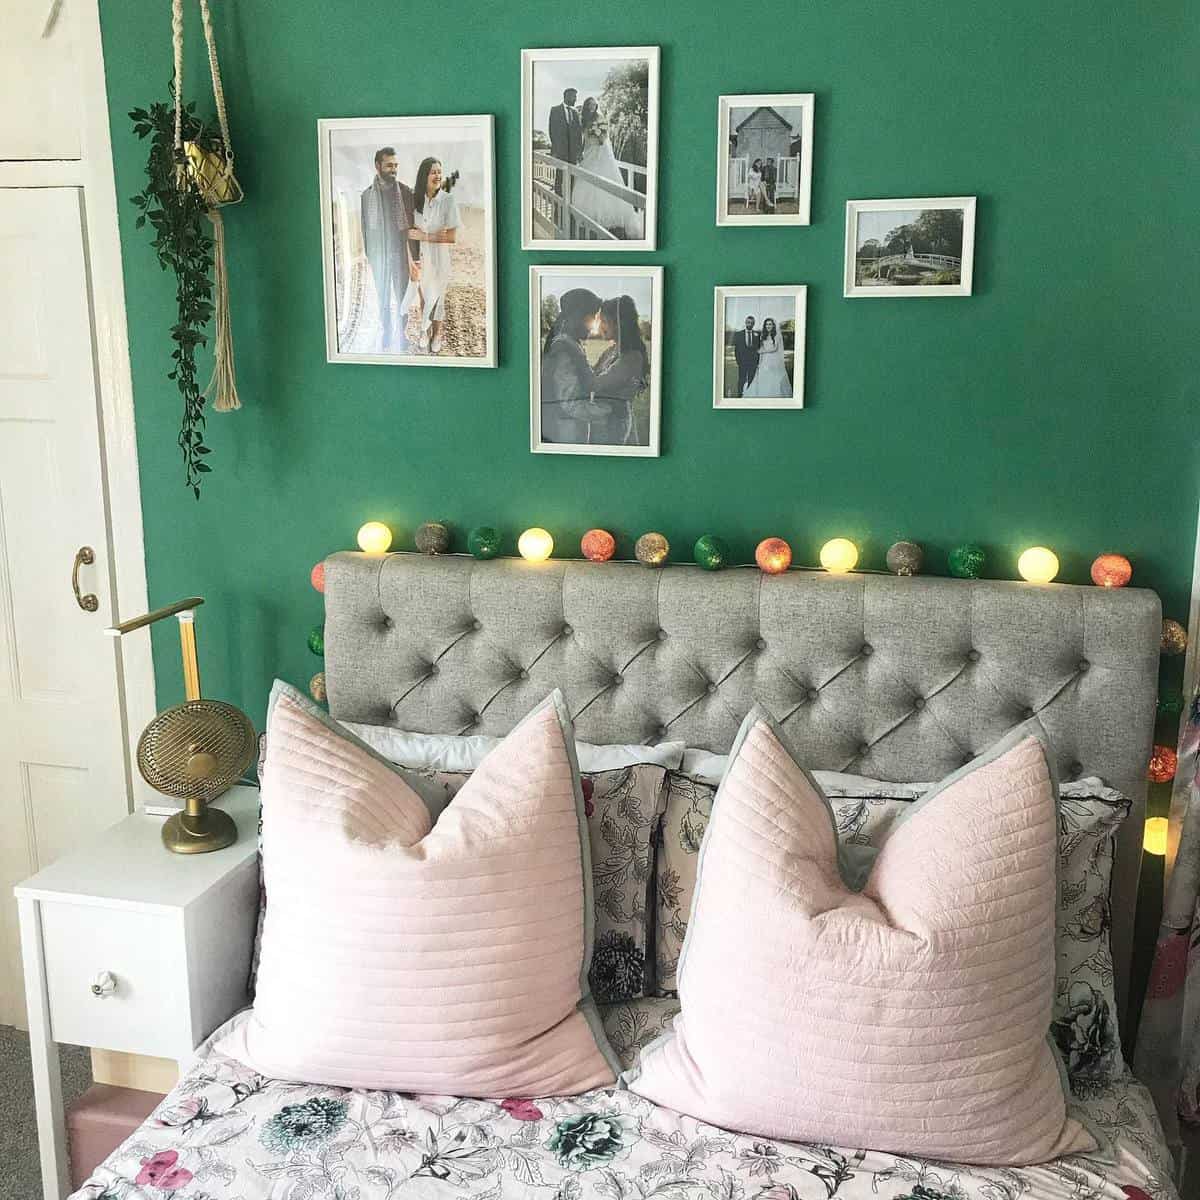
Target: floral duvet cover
point(225, 1133)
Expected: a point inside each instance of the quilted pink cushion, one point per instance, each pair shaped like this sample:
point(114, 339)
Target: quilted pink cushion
point(909, 1017)
point(397, 955)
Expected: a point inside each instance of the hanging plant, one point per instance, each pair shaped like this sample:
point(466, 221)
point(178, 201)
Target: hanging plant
point(179, 218)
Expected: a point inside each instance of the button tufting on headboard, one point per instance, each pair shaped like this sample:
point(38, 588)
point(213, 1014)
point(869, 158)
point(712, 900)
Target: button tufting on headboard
point(904, 679)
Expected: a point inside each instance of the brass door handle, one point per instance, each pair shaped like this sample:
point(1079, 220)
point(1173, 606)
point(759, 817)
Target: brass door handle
point(84, 556)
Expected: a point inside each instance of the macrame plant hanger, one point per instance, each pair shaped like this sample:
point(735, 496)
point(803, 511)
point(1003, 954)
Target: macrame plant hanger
point(211, 173)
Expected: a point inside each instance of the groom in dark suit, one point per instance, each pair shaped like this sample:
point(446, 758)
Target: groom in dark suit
point(566, 134)
point(745, 350)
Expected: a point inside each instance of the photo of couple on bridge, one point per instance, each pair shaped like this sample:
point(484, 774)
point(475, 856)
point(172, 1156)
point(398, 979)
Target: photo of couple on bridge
point(590, 151)
point(918, 247)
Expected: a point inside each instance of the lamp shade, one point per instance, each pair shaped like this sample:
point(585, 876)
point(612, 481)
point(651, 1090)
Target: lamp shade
point(839, 555)
point(374, 538)
point(1038, 565)
point(773, 556)
point(598, 545)
point(1111, 571)
point(535, 544)
point(1154, 840)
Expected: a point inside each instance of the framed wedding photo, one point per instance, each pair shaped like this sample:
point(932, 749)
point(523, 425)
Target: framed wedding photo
point(595, 360)
point(408, 238)
point(910, 247)
point(764, 159)
point(589, 148)
point(758, 346)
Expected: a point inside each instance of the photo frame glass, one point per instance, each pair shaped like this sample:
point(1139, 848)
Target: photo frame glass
point(595, 360)
point(758, 346)
point(764, 159)
point(589, 162)
point(910, 247)
point(408, 239)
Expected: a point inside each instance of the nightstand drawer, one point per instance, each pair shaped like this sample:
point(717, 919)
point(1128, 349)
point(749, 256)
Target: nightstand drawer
point(145, 1011)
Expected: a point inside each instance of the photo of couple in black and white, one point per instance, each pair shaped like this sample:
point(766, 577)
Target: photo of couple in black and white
point(759, 358)
point(409, 240)
point(591, 133)
point(594, 360)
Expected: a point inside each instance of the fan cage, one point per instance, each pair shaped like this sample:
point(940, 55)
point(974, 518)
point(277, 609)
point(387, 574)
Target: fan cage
point(196, 727)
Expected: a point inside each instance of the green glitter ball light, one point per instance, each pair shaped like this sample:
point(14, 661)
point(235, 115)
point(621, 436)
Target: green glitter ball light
point(710, 552)
point(966, 562)
point(483, 542)
point(1170, 707)
point(316, 640)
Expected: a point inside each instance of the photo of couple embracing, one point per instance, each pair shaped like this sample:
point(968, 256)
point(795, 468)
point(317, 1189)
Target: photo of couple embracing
point(594, 368)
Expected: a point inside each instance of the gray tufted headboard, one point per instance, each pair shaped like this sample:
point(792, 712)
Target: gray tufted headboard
point(899, 679)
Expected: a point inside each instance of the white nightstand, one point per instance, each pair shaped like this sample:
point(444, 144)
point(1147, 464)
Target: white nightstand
point(128, 947)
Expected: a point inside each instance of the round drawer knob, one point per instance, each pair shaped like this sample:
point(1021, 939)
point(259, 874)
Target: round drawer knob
point(104, 984)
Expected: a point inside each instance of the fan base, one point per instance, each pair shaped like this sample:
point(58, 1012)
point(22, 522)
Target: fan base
point(209, 829)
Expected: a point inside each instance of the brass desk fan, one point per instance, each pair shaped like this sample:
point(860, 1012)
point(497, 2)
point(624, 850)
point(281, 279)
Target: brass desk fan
point(195, 751)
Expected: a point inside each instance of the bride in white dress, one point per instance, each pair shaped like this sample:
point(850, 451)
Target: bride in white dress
point(770, 381)
point(435, 227)
point(605, 209)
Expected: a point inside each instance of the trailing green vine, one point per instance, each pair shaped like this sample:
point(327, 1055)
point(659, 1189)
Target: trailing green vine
point(179, 219)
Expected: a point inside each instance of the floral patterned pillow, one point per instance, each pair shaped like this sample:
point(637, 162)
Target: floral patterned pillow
point(624, 807)
point(1085, 1011)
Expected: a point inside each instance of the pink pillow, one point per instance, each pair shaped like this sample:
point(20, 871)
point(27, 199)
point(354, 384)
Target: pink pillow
point(407, 956)
point(910, 1017)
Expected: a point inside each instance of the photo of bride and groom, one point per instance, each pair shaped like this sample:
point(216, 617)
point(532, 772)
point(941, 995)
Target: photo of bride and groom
point(759, 353)
point(594, 360)
point(590, 130)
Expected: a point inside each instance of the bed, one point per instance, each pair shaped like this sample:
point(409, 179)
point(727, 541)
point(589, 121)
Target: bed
point(900, 679)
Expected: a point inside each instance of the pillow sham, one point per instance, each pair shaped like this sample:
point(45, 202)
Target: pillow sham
point(865, 812)
point(624, 808)
point(405, 955)
point(623, 805)
point(458, 752)
point(909, 1016)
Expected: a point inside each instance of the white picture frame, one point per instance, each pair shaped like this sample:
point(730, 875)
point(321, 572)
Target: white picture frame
point(792, 186)
point(349, 285)
point(549, 221)
point(732, 306)
point(606, 283)
point(862, 218)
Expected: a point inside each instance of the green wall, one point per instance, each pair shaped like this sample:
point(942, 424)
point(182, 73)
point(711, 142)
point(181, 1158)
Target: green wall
point(1055, 406)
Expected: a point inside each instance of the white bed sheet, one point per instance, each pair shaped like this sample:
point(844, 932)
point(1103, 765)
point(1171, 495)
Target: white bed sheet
point(225, 1133)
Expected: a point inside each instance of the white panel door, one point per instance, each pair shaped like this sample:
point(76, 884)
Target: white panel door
point(62, 758)
point(40, 95)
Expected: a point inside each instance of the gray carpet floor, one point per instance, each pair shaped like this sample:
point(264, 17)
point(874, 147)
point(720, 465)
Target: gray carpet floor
point(20, 1174)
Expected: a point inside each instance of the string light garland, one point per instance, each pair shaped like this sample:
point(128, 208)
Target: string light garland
point(316, 640)
point(652, 549)
point(1111, 571)
point(905, 558)
point(710, 552)
point(598, 545)
point(483, 542)
point(1174, 637)
point(1038, 564)
point(1163, 762)
point(317, 576)
point(966, 561)
point(374, 538)
point(839, 555)
point(535, 545)
point(432, 537)
point(773, 556)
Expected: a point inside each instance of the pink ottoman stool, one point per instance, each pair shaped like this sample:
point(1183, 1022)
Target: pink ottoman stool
point(100, 1120)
